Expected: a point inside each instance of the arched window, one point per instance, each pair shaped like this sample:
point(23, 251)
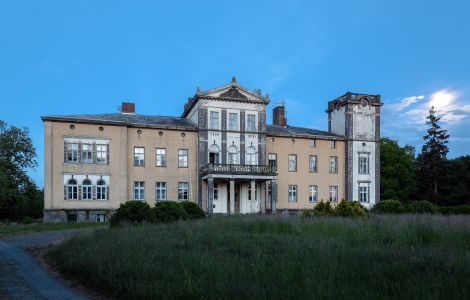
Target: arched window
point(86, 190)
point(251, 155)
point(101, 193)
point(233, 155)
point(72, 189)
point(214, 154)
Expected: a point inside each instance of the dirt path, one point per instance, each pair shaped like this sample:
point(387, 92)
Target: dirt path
point(23, 277)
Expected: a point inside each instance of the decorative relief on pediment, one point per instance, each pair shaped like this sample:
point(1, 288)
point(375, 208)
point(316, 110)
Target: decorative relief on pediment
point(233, 93)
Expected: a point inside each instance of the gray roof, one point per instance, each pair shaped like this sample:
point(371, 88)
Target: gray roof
point(125, 119)
point(292, 131)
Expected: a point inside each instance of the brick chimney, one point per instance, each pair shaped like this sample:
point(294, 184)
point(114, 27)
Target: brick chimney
point(279, 115)
point(128, 108)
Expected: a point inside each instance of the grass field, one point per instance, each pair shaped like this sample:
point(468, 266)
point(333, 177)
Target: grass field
point(383, 257)
point(7, 230)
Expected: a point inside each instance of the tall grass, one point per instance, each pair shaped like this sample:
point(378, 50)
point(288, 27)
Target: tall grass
point(403, 256)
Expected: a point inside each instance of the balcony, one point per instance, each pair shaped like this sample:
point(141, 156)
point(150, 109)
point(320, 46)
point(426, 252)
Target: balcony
point(227, 169)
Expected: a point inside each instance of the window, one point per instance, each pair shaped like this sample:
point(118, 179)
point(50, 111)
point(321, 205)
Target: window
point(233, 155)
point(333, 144)
point(160, 157)
point(292, 193)
point(292, 163)
point(251, 155)
point(312, 163)
point(312, 143)
point(183, 189)
point(214, 154)
point(333, 164)
point(160, 191)
point(87, 153)
point(102, 154)
point(333, 194)
point(215, 193)
point(101, 190)
point(139, 156)
point(100, 218)
point(72, 152)
point(72, 189)
point(183, 158)
point(139, 190)
point(214, 120)
point(249, 193)
point(363, 164)
point(251, 124)
point(86, 190)
point(272, 160)
point(232, 121)
point(364, 194)
point(312, 193)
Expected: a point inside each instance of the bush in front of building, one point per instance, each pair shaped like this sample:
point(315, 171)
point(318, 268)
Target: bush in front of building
point(350, 209)
point(455, 210)
point(389, 207)
point(422, 207)
point(169, 211)
point(323, 209)
point(359, 210)
point(193, 210)
point(132, 212)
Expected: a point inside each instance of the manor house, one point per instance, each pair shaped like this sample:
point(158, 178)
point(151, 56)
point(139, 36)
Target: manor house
point(219, 153)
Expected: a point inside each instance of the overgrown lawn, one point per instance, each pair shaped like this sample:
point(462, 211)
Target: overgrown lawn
point(7, 230)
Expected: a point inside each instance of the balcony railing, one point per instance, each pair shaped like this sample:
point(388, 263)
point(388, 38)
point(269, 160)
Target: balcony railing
point(228, 169)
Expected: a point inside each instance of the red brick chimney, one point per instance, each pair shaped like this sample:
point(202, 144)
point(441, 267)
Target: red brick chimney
point(279, 115)
point(128, 108)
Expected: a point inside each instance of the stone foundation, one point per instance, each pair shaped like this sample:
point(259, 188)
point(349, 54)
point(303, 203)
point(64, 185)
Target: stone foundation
point(76, 216)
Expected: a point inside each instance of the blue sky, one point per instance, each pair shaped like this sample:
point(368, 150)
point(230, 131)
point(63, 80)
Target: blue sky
point(70, 57)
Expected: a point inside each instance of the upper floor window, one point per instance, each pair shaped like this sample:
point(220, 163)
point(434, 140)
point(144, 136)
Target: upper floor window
point(232, 121)
point(72, 152)
point(312, 193)
point(312, 143)
point(87, 153)
point(333, 144)
point(272, 160)
point(333, 193)
point(251, 122)
point(333, 164)
point(160, 191)
point(160, 157)
point(183, 158)
point(86, 190)
point(139, 190)
point(214, 154)
point(251, 155)
point(363, 164)
point(364, 194)
point(233, 155)
point(139, 156)
point(312, 163)
point(183, 191)
point(101, 190)
point(292, 193)
point(72, 189)
point(102, 154)
point(292, 162)
point(214, 120)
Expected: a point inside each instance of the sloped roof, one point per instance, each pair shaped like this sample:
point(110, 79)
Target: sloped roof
point(293, 131)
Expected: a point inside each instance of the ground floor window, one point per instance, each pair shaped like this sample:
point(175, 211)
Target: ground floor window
point(183, 191)
point(312, 193)
point(160, 191)
point(139, 190)
point(100, 218)
point(364, 194)
point(292, 193)
point(333, 193)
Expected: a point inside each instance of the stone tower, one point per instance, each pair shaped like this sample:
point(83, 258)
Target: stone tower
point(357, 117)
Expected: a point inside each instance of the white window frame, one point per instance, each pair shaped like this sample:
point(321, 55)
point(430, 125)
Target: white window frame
point(313, 163)
point(87, 190)
point(251, 122)
point(333, 193)
point(272, 157)
point(363, 164)
point(364, 194)
point(233, 123)
point(139, 156)
point(292, 162)
point(139, 190)
point(100, 218)
point(251, 156)
point(183, 158)
point(233, 155)
point(160, 157)
point(214, 120)
point(160, 191)
point(101, 154)
point(312, 193)
point(292, 193)
point(87, 153)
point(183, 191)
point(72, 152)
point(333, 164)
point(101, 189)
point(72, 189)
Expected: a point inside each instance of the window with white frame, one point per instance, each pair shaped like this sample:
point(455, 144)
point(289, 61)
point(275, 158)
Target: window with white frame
point(333, 144)
point(363, 164)
point(183, 158)
point(292, 193)
point(139, 190)
point(232, 121)
point(160, 191)
point(86, 190)
point(312, 193)
point(87, 153)
point(139, 156)
point(233, 155)
point(214, 154)
point(249, 193)
point(292, 158)
point(215, 192)
point(251, 122)
point(72, 189)
point(312, 163)
point(160, 157)
point(272, 160)
point(333, 164)
point(214, 120)
point(364, 194)
point(100, 218)
point(251, 155)
point(101, 190)
point(72, 152)
point(102, 154)
point(183, 191)
point(333, 193)
point(312, 143)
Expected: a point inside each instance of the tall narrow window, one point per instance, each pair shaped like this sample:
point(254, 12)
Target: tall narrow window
point(312, 143)
point(183, 158)
point(214, 154)
point(251, 122)
point(72, 152)
point(215, 193)
point(363, 164)
point(312, 193)
point(272, 160)
point(233, 121)
point(139, 156)
point(102, 154)
point(292, 193)
point(233, 155)
point(333, 164)
point(333, 144)
point(251, 155)
point(139, 190)
point(312, 163)
point(364, 194)
point(160, 191)
point(72, 189)
point(101, 193)
point(214, 120)
point(183, 191)
point(87, 153)
point(292, 162)
point(86, 190)
point(160, 157)
point(333, 193)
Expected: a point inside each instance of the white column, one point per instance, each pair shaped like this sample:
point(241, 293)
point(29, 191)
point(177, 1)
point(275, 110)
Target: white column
point(253, 195)
point(232, 196)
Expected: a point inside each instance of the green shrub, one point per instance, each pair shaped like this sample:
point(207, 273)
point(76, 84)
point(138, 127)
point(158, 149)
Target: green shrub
point(169, 211)
point(308, 213)
point(27, 220)
point(422, 207)
point(193, 210)
point(132, 211)
point(323, 209)
point(359, 210)
point(455, 210)
point(389, 207)
point(344, 209)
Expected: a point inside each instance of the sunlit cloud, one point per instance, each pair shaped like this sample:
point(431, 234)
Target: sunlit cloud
point(442, 99)
point(404, 103)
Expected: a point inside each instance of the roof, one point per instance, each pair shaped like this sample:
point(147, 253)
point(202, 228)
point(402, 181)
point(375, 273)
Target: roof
point(292, 131)
point(124, 119)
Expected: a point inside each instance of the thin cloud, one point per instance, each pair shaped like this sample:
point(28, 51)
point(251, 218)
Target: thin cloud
point(405, 102)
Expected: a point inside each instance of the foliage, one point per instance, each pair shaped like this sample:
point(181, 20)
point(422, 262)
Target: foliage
point(358, 209)
point(389, 207)
point(455, 210)
point(421, 207)
point(192, 210)
point(169, 211)
point(396, 170)
point(343, 209)
point(323, 209)
point(133, 212)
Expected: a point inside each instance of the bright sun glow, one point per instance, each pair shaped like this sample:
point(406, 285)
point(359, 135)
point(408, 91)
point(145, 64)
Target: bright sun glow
point(441, 99)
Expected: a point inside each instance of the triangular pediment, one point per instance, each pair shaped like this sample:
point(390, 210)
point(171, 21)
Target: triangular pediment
point(235, 91)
